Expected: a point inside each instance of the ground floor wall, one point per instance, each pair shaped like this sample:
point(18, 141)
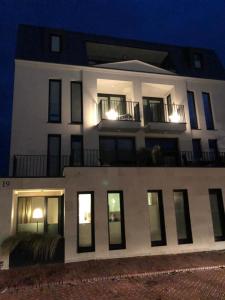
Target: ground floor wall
point(134, 183)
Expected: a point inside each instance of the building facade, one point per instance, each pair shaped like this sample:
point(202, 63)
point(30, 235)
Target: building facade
point(116, 145)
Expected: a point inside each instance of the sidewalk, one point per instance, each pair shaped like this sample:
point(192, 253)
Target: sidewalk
point(128, 278)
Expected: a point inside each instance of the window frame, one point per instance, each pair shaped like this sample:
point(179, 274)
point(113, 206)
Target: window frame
point(219, 198)
point(163, 241)
point(189, 239)
point(60, 43)
point(81, 111)
point(60, 212)
point(197, 56)
point(92, 247)
point(210, 111)
point(80, 138)
point(60, 100)
point(123, 235)
point(195, 110)
point(59, 154)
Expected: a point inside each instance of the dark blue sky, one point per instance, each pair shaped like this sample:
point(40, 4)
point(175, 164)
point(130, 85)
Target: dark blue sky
point(198, 23)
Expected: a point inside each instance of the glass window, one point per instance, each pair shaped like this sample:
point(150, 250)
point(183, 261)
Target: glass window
point(183, 223)
point(213, 148)
point(156, 218)
point(198, 61)
point(217, 211)
point(86, 222)
point(54, 150)
point(76, 150)
point(116, 221)
point(197, 149)
point(153, 110)
point(115, 151)
point(192, 110)
point(208, 111)
point(76, 102)
point(55, 43)
point(54, 108)
point(40, 214)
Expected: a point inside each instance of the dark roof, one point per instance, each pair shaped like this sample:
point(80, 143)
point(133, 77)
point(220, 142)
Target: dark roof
point(33, 43)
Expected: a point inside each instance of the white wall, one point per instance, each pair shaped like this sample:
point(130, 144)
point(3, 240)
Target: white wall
point(30, 111)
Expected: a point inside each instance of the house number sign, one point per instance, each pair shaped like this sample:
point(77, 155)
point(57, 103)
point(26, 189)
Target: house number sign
point(5, 183)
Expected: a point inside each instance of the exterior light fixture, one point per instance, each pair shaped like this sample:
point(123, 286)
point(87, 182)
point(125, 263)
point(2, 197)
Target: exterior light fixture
point(112, 114)
point(37, 214)
point(174, 118)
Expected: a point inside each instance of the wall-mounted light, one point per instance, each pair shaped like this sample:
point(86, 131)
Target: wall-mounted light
point(112, 114)
point(174, 118)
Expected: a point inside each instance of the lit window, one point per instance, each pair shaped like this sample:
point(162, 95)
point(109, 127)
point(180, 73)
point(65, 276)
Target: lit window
point(85, 222)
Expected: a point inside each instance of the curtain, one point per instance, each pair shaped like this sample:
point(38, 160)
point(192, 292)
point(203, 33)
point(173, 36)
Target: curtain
point(24, 210)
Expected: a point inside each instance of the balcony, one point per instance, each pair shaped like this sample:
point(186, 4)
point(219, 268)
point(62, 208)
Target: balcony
point(117, 115)
point(164, 118)
point(44, 166)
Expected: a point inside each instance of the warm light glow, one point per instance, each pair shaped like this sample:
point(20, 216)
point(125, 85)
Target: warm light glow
point(112, 114)
point(84, 208)
point(37, 213)
point(174, 118)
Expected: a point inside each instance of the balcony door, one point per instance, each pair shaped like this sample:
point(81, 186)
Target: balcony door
point(76, 156)
point(54, 153)
point(117, 150)
point(164, 150)
point(153, 110)
point(113, 102)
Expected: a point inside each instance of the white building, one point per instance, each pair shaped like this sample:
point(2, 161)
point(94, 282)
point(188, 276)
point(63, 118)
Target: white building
point(122, 153)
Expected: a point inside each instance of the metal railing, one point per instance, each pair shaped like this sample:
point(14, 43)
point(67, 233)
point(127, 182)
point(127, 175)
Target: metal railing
point(164, 113)
point(119, 110)
point(52, 166)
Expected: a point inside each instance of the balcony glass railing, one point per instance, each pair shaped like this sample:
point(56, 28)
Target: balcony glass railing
point(119, 110)
point(44, 166)
point(164, 113)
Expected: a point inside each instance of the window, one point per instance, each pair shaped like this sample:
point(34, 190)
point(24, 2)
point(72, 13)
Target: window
point(183, 223)
point(76, 156)
point(54, 152)
point(192, 110)
point(208, 111)
point(156, 218)
point(217, 211)
point(76, 102)
point(197, 149)
point(55, 43)
point(114, 102)
point(85, 226)
point(169, 105)
point(54, 104)
point(153, 110)
point(213, 148)
point(116, 221)
point(117, 150)
point(40, 214)
point(198, 61)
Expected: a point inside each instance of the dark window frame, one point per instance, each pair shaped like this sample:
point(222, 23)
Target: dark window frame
point(60, 212)
point(197, 56)
point(189, 239)
point(82, 148)
point(221, 213)
point(123, 235)
point(71, 114)
point(60, 43)
point(210, 111)
point(92, 247)
point(163, 241)
point(60, 101)
point(195, 117)
point(59, 154)
point(116, 138)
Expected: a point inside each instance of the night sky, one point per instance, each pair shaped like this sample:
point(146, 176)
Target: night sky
point(198, 23)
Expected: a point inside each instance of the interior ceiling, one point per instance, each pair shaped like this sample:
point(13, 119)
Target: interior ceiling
point(101, 83)
point(163, 87)
point(112, 53)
